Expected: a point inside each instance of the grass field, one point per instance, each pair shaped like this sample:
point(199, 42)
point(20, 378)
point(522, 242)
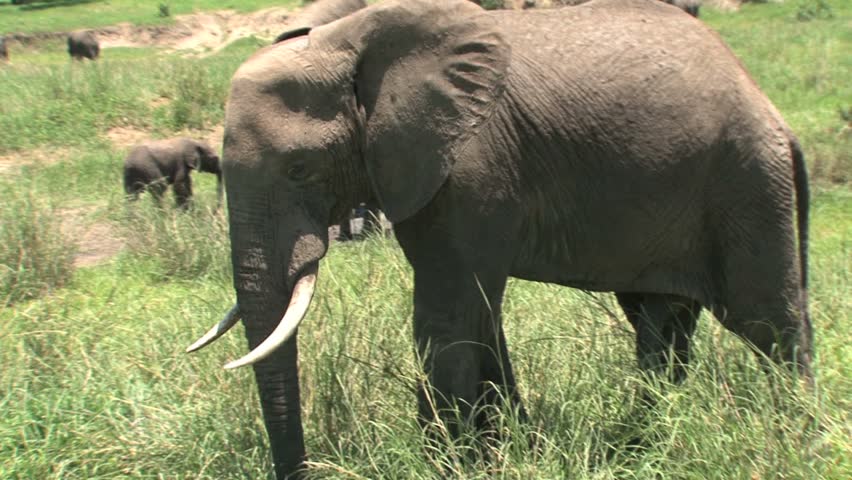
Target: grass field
point(66, 15)
point(95, 384)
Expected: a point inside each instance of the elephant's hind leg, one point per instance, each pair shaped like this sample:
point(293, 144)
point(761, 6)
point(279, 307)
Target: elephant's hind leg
point(761, 294)
point(664, 325)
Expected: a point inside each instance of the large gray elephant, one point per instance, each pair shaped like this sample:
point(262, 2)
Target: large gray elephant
point(156, 164)
point(83, 44)
point(567, 146)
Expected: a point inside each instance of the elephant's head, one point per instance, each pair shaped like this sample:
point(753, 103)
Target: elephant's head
point(203, 158)
point(199, 156)
point(382, 101)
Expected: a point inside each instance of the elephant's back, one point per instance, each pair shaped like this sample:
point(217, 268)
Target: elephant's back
point(642, 73)
point(142, 162)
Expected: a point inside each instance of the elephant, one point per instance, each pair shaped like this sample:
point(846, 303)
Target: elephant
point(319, 13)
point(83, 44)
point(567, 146)
point(155, 164)
point(314, 15)
point(689, 6)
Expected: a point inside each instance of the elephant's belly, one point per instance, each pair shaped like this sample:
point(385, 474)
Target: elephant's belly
point(613, 262)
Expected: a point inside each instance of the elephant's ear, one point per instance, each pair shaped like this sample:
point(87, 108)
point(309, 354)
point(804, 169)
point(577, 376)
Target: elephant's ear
point(193, 154)
point(428, 75)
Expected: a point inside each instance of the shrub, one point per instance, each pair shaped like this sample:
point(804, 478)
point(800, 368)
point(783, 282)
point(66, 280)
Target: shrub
point(197, 99)
point(164, 11)
point(491, 4)
point(186, 245)
point(34, 255)
point(814, 10)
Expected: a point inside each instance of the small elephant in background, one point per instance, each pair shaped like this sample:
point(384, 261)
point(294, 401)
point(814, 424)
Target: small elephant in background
point(689, 6)
point(156, 164)
point(83, 44)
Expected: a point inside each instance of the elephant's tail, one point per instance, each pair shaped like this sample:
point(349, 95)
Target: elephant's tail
point(800, 179)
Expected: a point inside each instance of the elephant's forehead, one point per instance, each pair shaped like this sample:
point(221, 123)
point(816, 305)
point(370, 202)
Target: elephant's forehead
point(270, 63)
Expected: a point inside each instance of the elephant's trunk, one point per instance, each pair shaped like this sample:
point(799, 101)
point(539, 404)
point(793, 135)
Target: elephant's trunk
point(275, 266)
point(277, 378)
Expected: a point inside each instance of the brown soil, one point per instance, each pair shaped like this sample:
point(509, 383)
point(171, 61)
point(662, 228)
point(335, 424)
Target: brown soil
point(126, 137)
point(123, 138)
point(11, 162)
point(96, 240)
point(205, 32)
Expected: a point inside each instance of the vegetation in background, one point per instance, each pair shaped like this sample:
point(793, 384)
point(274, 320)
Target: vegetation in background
point(803, 67)
point(96, 385)
point(192, 245)
point(69, 15)
point(35, 257)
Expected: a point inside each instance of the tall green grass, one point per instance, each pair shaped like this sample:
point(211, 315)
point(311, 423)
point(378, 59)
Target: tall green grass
point(35, 256)
point(75, 103)
point(95, 384)
point(802, 66)
point(70, 14)
point(191, 245)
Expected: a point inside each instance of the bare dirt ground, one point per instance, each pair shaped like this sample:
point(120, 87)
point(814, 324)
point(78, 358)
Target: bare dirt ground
point(11, 163)
point(96, 240)
point(206, 32)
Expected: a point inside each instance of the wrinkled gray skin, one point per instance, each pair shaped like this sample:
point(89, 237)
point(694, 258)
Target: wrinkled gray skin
point(156, 164)
point(315, 14)
point(505, 144)
point(83, 44)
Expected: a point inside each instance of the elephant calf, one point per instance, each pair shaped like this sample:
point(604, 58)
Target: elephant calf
point(83, 44)
point(156, 164)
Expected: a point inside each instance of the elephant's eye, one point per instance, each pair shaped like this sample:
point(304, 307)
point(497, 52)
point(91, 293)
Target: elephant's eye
point(297, 172)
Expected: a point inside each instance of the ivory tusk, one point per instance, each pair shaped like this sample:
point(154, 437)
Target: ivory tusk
point(303, 292)
point(231, 319)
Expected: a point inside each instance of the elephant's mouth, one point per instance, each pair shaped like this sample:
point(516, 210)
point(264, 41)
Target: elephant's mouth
point(300, 301)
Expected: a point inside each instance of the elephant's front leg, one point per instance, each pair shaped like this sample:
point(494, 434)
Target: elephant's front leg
point(458, 332)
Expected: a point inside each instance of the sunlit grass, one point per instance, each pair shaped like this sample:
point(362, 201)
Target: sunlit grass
point(96, 384)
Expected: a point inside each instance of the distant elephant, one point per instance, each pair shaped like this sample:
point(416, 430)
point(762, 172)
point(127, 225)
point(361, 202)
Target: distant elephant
point(689, 6)
point(83, 44)
point(318, 13)
point(156, 164)
point(503, 143)
point(4, 51)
